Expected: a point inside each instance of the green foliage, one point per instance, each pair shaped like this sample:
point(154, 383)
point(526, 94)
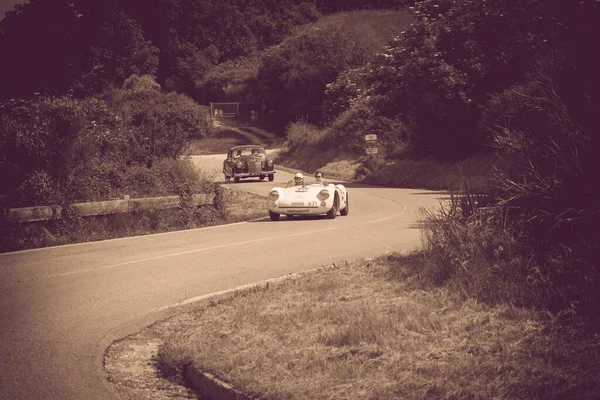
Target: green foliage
point(41, 47)
point(301, 134)
point(361, 119)
point(59, 150)
point(468, 248)
point(233, 80)
point(294, 76)
point(552, 181)
point(86, 45)
point(545, 204)
point(47, 141)
point(438, 73)
point(118, 51)
point(160, 124)
point(345, 91)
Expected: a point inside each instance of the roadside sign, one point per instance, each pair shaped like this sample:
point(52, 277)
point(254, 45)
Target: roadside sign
point(371, 137)
point(371, 150)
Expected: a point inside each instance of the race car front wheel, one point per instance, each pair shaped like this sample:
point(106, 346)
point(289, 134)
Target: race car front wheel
point(345, 210)
point(273, 216)
point(332, 213)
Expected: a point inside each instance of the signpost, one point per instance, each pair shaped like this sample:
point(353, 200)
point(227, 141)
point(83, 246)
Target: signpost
point(371, 144)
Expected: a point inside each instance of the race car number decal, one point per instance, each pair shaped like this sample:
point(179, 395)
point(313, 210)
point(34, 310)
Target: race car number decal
point(313, 203)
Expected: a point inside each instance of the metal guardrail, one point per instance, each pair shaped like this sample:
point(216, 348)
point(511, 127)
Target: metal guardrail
point(127, 205)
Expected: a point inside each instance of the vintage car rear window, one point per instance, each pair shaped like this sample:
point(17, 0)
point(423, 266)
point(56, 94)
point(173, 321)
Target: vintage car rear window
point(250, 151)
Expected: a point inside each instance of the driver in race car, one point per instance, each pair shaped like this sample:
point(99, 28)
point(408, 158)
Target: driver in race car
point(297, 181)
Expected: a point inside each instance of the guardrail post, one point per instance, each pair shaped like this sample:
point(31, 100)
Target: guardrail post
point(127, 203)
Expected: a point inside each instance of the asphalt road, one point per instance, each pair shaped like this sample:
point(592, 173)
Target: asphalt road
point(62, 306)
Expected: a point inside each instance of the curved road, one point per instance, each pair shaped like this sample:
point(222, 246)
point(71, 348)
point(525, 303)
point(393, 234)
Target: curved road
point(62, 306)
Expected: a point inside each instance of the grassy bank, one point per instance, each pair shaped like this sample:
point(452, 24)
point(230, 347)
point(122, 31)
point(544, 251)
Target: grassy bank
point(233, 206)
point(374, 329)
point(421, 173)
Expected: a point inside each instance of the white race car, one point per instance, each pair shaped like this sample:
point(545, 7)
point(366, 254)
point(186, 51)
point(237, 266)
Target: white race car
point(309, 199)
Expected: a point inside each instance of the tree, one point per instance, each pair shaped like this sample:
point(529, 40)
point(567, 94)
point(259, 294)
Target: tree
point(119, 51)
point(438, 74)
point(294, 76)
point(41, 44)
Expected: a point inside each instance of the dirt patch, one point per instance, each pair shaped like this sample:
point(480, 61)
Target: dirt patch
point(131, 367)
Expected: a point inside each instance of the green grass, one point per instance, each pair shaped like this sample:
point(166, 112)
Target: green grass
point(477, 171)
point(237, 206)
point(370, 329)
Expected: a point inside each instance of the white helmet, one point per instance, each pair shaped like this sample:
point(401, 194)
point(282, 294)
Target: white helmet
point(298, 178)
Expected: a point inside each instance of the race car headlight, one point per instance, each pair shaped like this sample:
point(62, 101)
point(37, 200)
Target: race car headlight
point(239, 164)
point(274, 195)
point(323, 195)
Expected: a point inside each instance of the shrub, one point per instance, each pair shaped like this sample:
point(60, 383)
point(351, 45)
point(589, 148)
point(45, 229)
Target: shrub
point(544, 212)
point(468, 248)
point(349, 130)
point(159, 124)
point(301, 134)
point(57, 137)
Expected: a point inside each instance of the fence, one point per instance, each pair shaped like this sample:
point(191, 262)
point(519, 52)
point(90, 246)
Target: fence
point(234, 113)
point(127, 205)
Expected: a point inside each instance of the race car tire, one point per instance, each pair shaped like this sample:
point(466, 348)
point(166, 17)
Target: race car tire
point(332, 213)
point(345, 210)
point(273, 216)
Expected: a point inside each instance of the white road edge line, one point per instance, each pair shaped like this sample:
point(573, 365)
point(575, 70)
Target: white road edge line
point(224, 245)
point(123, 238)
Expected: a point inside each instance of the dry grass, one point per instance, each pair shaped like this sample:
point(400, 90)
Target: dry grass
point(243, 206)
point(368, 330)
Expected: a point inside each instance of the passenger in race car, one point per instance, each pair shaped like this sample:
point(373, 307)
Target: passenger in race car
point(319, 178)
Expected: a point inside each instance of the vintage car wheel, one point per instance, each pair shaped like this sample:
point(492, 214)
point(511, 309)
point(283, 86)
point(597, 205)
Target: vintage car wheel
point(271, 177)
point(345, 210)
point(273, 216)
point(332, 213)
point(261, 177)
point(236, 179)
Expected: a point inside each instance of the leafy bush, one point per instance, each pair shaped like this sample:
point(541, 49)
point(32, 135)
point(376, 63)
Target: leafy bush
point(545, 209)
point(160, 124)
point(348, 131)
point(53, 137)
point(60, 150)
point(302, 134)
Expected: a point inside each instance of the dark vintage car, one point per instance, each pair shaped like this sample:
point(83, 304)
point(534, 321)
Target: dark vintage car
point(247, 162)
